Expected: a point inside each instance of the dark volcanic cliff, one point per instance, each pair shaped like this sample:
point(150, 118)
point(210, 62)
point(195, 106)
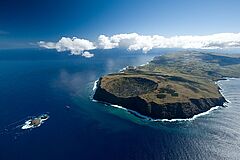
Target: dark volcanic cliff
point(159, 111)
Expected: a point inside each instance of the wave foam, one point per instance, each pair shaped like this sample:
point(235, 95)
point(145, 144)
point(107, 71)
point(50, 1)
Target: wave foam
point(189, 119)
point(28, 125)
point(95, 85)
point(125, 68)
point(161, 120)
point(144, 64)
point(221, 90)
point(166, 120)
point(117, 106)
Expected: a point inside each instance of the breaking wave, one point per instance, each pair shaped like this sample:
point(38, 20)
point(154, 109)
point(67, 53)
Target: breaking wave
point(95, 85)
point(165, 120)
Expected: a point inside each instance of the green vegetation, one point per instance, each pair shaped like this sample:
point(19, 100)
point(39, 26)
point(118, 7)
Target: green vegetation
point(175, 94)
point(161, 96)
point(129, 86)
point(173, 78)
point(209, 65)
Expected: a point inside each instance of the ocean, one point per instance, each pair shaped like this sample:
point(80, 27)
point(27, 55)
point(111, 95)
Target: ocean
point(37, 81)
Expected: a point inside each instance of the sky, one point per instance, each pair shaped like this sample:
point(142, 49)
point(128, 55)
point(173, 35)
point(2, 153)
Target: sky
point(25, 23)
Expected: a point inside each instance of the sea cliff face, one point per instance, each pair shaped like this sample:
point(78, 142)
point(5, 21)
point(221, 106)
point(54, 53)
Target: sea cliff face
point(178, 110)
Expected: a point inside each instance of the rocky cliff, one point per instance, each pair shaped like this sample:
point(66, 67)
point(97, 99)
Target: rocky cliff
point(174, 110)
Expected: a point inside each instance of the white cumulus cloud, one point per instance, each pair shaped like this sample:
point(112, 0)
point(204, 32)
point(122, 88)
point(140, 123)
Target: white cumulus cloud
point(87, 54)
point(134, 41)
point(75, 45)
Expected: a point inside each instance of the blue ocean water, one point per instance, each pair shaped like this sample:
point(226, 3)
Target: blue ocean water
point(34, 81)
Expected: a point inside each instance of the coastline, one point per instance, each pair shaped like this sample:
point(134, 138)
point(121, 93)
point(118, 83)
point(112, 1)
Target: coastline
point(125, 68)
point(227, 79)
point(137, 114)
point(95, 85)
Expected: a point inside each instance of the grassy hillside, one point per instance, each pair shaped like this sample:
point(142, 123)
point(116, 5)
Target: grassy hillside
point(173, 78)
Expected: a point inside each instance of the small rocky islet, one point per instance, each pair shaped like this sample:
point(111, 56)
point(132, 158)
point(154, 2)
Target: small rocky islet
point(171, 86)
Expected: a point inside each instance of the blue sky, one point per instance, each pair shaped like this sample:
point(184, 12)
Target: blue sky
point(29, 21)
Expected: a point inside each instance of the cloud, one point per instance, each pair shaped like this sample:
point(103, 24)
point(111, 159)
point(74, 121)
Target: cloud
point(75, 45)
point(134, 41)
point(87, 54)
point(106, 43)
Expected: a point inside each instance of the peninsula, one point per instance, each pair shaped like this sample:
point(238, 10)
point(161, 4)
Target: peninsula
point(171, 86)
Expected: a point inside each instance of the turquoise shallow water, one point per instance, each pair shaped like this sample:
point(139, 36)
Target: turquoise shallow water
point(33, 82)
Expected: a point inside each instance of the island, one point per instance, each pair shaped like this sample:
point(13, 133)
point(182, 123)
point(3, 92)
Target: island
point(172, 86)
